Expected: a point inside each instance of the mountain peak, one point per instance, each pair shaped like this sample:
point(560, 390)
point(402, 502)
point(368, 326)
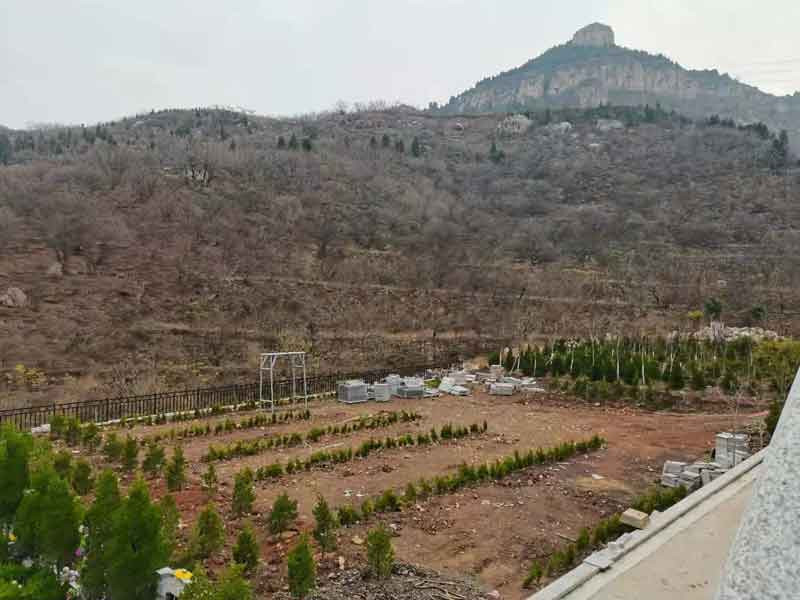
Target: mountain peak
point(596, 34)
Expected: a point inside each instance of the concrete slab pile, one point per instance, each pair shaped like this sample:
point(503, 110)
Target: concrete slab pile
point(731, 449)
point(449, 386)
point(352, 391)
point(501, 389)
point(382, 392)
point(411, 387)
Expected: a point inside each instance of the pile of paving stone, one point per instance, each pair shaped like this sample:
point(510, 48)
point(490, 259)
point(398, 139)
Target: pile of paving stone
point(730, 450)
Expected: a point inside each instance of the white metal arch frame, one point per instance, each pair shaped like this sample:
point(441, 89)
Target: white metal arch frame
point(297, 360)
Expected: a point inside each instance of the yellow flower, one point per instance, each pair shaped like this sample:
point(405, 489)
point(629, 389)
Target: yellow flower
point(12, 537)
point(182, 574)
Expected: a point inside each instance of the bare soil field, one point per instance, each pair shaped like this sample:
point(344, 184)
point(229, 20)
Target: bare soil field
point(490, 532)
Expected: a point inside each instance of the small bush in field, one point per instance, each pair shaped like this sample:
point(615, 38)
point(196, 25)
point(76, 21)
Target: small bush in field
point(325, 529)
point(208, 533)
point(62, 463)
point(176, 470)
point(130, 454)
point(82, 480)
point(243, 493)
point(283, 512)
point(246, 550)
point(154, 459)
point(210, 480)
point(380, 554)
point(113, 447)
point(347, 515)
point(302, 570)
point(90, 436)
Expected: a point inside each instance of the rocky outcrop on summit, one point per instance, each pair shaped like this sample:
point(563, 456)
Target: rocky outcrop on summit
point(595, 34)
point(591, 70)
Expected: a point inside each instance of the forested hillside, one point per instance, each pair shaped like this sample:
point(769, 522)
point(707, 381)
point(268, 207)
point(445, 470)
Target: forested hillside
point(170, 247)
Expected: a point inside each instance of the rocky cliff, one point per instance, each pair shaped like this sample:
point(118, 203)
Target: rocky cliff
point(591, 69)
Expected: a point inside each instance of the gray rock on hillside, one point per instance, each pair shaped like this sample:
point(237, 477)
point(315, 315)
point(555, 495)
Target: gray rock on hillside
point(14, 298)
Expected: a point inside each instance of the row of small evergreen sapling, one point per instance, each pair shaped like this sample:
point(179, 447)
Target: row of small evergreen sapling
point(605, 531)
point(380, 554)
point(290, 440)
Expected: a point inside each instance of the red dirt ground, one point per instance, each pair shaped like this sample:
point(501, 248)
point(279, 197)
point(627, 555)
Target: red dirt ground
point(492, 531)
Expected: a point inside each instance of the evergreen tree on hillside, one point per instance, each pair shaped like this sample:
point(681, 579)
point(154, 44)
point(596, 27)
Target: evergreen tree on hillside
point(326, 524)
point(416, 147)
point(48, 518)
point(246, 551)
point(243, 492)
point(302, 570)
point(136, 547)
point(15, 449)
point(99, 522)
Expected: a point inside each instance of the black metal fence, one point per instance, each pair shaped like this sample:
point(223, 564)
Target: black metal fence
point(125, 407)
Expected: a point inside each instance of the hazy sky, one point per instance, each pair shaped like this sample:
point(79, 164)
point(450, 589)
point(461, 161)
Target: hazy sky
point(82, 61)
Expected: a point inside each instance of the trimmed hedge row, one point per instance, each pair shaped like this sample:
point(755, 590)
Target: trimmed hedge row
point(605, 531)
point(257, 446)
point(447, 432)
point(389, 501)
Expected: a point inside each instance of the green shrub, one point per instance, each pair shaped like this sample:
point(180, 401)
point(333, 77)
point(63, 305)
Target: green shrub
point(170, 520)
point(367, 508)
point(19, 583)
point(410, 494)
point(347, 515)
point(47, 520)
point(176, 470)
point(58, 426)
point(130, 454)
point(208, 533)
point(380, 554)
point(232, 585)
point(246, 550)
point(99, 522)
point(112, 449)
point(154, 459)
point(283, 512)
point(325, 528)
point(301, 568)
point(582, 543)
point(136, 547)
point(387, 502)
point(243, 493)
point(72, 434)
point(82, 480)
point(773, 416)
point(534, 575)
point(90, 436)
point(62, 463)
point(210, 480)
